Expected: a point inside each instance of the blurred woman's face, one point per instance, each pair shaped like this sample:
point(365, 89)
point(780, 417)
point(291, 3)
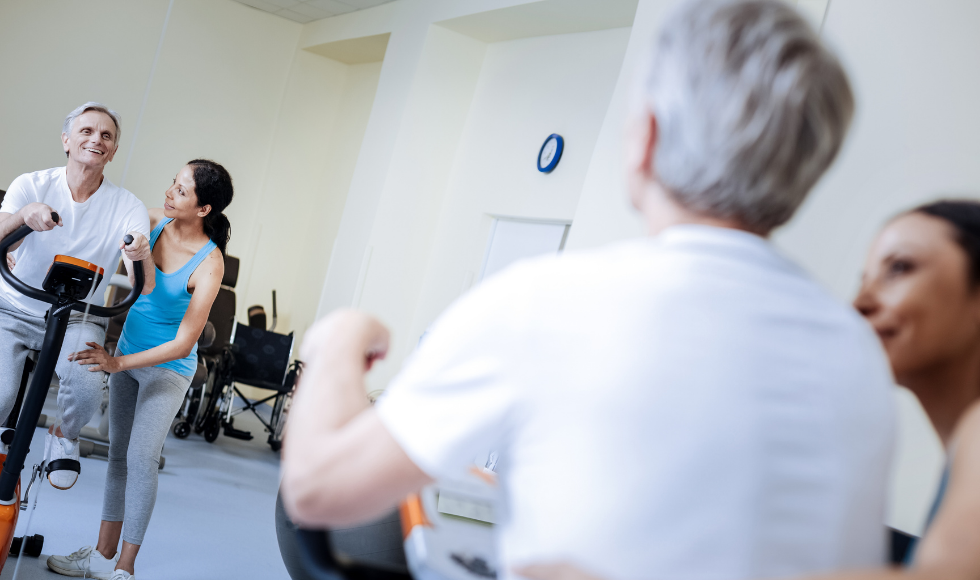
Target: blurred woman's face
point(916, 293)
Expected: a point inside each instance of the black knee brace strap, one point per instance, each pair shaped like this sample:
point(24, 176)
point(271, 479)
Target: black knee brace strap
point(64, 465)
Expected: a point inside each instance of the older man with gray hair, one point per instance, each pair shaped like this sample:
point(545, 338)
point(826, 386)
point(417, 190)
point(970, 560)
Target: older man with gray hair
point(688, 405)
point(94, 216)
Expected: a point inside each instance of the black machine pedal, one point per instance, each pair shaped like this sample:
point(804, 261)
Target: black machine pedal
point(63, 464)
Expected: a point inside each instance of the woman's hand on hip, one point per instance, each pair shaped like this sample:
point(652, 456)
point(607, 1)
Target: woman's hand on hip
point(97, 358)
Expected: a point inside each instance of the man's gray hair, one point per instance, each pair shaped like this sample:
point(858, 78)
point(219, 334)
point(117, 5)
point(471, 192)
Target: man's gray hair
point(750, 107)
point(93, 106)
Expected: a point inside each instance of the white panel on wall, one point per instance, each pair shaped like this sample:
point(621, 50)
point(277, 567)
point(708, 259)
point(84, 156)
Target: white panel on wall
point(512, 240)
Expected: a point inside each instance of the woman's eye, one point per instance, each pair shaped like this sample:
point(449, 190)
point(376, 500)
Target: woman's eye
point(898, 267)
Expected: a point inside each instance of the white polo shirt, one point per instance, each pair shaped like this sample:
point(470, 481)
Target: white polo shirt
point(685, 406)
point(92, 231)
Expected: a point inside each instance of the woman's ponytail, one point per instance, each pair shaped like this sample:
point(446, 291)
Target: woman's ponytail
point(212, 184)
point(218, 228)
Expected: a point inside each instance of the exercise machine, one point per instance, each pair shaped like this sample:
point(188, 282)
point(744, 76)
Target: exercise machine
point(446, 534)
point(68, 283)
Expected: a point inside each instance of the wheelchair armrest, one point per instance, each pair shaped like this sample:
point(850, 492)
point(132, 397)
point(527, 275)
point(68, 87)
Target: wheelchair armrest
point(200, 377)
point(207, 336)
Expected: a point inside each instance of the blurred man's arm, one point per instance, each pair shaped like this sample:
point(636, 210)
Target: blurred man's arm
point(340, 464)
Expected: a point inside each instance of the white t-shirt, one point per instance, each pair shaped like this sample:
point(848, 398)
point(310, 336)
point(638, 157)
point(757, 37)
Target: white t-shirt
point(685, 406)
point(92, 231)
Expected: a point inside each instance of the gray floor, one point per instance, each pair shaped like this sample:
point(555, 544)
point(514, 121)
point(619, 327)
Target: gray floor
point(214, 516)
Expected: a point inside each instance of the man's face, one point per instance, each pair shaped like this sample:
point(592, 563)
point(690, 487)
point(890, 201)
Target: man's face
point(92, 141)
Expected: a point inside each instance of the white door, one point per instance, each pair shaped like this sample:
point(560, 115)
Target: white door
point(512, 240)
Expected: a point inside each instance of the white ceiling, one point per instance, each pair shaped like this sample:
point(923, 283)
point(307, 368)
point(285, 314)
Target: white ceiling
point(304, 11)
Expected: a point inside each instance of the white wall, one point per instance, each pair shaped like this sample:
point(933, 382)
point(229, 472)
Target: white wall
point(409, 207)
point(527, 89)
point(298, 235)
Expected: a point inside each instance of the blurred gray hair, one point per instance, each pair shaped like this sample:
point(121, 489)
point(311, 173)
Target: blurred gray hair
point(751, 109)
point(93, 106)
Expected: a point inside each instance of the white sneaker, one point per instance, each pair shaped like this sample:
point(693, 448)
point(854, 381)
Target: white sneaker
point(85, 563)
point(62, 449)
point(121, 575)
point(47, 447)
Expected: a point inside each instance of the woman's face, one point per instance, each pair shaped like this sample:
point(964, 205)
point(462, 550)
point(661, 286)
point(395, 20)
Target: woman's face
point(181, 200)
point(917, 295)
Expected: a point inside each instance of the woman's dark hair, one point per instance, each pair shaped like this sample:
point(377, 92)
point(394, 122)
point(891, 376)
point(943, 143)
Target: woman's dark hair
point(212, 184)
point(964, 216)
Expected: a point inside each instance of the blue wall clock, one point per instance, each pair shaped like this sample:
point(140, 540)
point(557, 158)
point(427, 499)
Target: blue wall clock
point(550, 153)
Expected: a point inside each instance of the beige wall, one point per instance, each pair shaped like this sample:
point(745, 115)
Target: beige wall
point(39, 41)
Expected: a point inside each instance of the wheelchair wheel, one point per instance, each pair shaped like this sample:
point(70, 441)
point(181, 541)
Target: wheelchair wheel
point(211, 430)
point(182, 430)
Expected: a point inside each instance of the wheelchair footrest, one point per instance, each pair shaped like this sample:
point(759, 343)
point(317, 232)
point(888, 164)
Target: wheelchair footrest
point(237, 433)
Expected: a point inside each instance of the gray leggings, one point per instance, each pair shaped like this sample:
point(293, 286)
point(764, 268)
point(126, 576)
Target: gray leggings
point(80, 393)
point(148, 399)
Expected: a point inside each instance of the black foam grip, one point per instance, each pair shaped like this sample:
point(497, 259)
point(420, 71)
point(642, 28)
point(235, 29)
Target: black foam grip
point(64, 465)
point(127, 239)
point(55, 217)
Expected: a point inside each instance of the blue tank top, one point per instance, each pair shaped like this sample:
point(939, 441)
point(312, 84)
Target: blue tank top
point(156, 316)
point(936, 504)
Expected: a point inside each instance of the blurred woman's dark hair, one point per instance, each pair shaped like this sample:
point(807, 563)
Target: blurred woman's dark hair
point(964, 217)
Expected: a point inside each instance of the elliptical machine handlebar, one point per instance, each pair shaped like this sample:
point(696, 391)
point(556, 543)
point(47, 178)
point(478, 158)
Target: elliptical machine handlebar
point(37, 294)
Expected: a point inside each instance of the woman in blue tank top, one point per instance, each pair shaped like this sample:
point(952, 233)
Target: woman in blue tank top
point(154, 362)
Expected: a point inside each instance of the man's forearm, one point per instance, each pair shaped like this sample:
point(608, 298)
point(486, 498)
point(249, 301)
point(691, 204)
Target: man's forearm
point(331, 465)
point(336, 394)
point(8, 224)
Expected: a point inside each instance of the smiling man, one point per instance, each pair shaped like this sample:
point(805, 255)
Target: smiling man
point(94, 215)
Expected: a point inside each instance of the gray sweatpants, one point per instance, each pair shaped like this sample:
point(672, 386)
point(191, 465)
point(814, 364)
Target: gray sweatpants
point(80, 393)
point(142, 405)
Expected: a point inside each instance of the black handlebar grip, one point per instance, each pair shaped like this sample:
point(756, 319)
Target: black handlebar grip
point(55, 217)
point(127, 239)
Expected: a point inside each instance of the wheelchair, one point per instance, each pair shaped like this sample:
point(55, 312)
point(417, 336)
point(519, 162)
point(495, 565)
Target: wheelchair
point(255, 357)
